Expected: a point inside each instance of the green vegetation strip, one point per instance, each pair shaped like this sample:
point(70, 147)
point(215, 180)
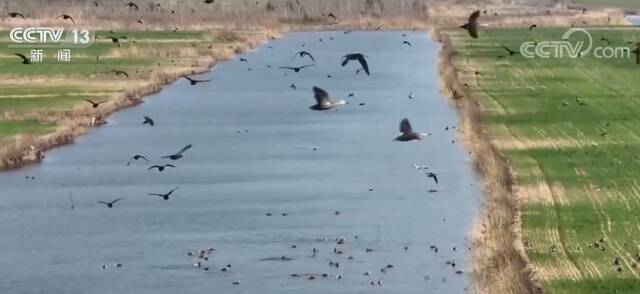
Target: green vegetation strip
point(578, 125)
point(12, 128)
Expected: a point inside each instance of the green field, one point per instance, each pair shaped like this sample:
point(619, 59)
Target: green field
point(570, 130)
point(60, 86)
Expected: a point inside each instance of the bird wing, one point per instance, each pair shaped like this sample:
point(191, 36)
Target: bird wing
point(203, 81)
point(473, 18)
point(405, 126)
point(21, 56)
point(71, 18)
point(90, 101)
point(153, 166)
point(184, 149)
point(169, 165)
point(345, 60)
point(114, 201)
point(103, 202)
point(170, 192)
point(188, 78)
point(14, 14)
point(155, 194)
point(322, 97)
point(286, 67)
point(140, 156)
point(304, 66)
point(310, 56)
point(364, 64)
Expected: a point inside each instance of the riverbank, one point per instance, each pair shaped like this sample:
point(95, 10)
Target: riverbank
point(171, 60)
point(530, 237)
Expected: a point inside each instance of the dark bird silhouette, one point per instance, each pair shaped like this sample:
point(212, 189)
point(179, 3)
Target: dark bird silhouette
point(511, 52)
point(296, 69)
point(25, 60)
point(243, 60)
point(136, 157)
point(323, 101)
point(331, 15)
point(455, 94)
point(116, 39)
point(208, 1)
point(533, 26)
point(148, 121)
point(16, 14)
point(359, 57)
point(407, 42)
point(292, 86)
point(95, 104)
point(472, 25)
point(120, 73)
point(110, 204)
point(303, 53)
point(407, 132)
point(164, 196)
point(194, 81)
point(66, 17)
point(433, 176)
point(178, 155)
point(132, 5)
point(161, 167)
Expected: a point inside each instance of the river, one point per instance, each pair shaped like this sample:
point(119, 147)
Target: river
point(257, 150)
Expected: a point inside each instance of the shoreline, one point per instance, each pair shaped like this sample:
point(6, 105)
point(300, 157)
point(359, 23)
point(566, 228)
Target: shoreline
point(30, 149)
point(499, 262)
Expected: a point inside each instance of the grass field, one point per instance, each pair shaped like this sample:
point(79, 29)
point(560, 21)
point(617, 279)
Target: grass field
point(61, 86)
point(569, 130)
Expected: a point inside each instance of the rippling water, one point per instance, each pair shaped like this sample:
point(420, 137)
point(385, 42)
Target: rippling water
point(253, 154)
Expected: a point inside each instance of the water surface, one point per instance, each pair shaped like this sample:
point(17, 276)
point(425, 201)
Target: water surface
point(258, 149)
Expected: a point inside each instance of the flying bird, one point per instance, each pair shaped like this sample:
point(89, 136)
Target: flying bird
point(472, 25)
point(94, 104)
point(331, 15)
point(66, 17)
point(120, 73)
point(533, 26)
point(511, 52)
point(323, 100)
point(208, 1)
point(407, 132)
point(148, 121)
point(356, 56)
point(25, 60)
point(303, 53)
point(243, 60)
point(296, 69)
point(292, 86)
point(132, 5)
point(116, 39)
point(178, 155)
point(433, 176)
point(194, 81)
point(637, 53)
point(110, 204)
point(136, 157)
point(16, 14)
point(164, 196)
point(407, 42)
point(161, 167)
